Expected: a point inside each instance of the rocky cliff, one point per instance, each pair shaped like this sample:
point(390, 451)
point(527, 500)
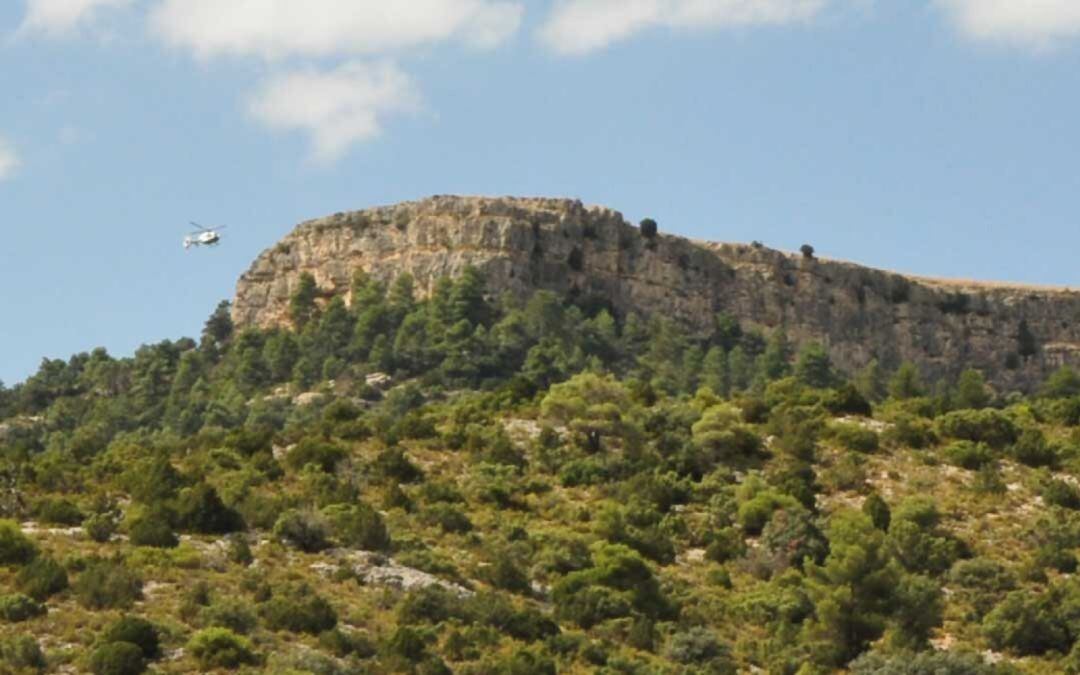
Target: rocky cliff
point(1015, 334)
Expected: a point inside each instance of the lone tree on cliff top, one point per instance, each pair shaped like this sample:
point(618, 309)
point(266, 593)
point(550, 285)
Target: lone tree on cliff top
point(648, 228)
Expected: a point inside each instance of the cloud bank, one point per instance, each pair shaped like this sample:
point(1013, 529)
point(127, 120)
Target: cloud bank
point(583, 26)
point(58, 17)
point(342, 106)
point(1029, 23)
point(280, 28)
point(337, 108)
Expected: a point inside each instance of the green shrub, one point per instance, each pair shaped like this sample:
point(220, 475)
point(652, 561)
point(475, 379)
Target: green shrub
point(583, 472)
point(429, 604)
point(152, 528)
point(506, 574)
point(15, 547)
point(1032, 449)
point(347, 643)
point(989, 426)
point(911, 432)
point(298, 609)
point(304, 530)
point(916, 540)
point(136, 631)
point(791, 536)
point(618, 583)
point(407, 643)
point(393, 464)
point(358, 526)
point(58, 511)
point(220, 648)
point(856, 438)
point(847, 473)
point(22, 654)
point(522, 662)
point(848, 400)
point(952, 662)
point(232, 614)
point(700, 646)
point(982, 581)
point(1061, 493)
point(42, 578)
point(17, 607)
point(107, 584)
point(1026, 624)
point(448, 518)
point(200, 509)
point(100, 527)
point(117, 658)
point(968, 454)
point(726, 544)
point(754, 513)
point(324, 455)
point(239, 551)
point(878, 510)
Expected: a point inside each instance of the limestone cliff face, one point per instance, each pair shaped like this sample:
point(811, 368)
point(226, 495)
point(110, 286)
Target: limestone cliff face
point(566, 247)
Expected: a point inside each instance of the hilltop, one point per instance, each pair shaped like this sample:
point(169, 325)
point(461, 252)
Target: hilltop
point(1015, 334)
point(413, 447)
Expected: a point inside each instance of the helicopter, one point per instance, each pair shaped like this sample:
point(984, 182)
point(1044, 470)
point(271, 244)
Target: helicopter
point(203, 236)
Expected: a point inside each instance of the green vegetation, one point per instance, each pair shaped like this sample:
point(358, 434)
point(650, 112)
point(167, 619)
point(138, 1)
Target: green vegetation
point(478, 485)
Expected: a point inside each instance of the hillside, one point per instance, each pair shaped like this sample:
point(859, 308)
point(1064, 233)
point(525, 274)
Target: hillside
point(1016, 335)
point(438, 459)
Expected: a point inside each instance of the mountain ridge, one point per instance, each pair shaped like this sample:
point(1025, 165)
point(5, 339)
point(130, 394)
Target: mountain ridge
point(1015, 333)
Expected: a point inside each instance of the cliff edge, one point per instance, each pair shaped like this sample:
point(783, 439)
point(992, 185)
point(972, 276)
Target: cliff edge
point(1015, 334)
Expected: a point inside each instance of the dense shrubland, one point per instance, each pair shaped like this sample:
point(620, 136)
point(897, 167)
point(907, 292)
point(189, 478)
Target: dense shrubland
point(539, 487)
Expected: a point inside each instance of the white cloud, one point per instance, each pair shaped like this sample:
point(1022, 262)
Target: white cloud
point(338, 108)
point(280, 28)
point(9, 160)
point(1033, 23)
point(582, 26)
point(57, 17)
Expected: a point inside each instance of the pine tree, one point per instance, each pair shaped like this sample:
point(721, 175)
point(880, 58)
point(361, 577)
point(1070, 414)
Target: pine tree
point(741, 369)
point(971, 390)
point(775, 361)
point(814, 368)
point(467, 302)
point(302, 307)
point(905, 382)
point(870, 382)
point(714, 372)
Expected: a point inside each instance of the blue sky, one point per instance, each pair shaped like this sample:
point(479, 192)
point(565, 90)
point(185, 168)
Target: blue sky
point(936, 137)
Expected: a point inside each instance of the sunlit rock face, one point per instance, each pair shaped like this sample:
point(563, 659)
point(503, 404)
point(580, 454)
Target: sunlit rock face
point(593, 255)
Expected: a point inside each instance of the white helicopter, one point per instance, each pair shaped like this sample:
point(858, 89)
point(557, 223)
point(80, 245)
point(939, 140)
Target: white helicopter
point(203, 236)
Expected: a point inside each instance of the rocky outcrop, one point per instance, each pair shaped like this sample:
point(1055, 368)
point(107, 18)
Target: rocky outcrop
point(1015, 334)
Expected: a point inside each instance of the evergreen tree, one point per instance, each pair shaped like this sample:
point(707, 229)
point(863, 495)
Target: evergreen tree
point(741, 369)
point(971, 390)
point(852, 591)
point(467, 302)
point(302, 307)
point(336, 327)
point(905, 382)
point(814, 368)
point(774, 363)
point(402, 297)
point(726, 332)
point(219, 327)
point(714, 372)
point(281, 353)
point(870, 382)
